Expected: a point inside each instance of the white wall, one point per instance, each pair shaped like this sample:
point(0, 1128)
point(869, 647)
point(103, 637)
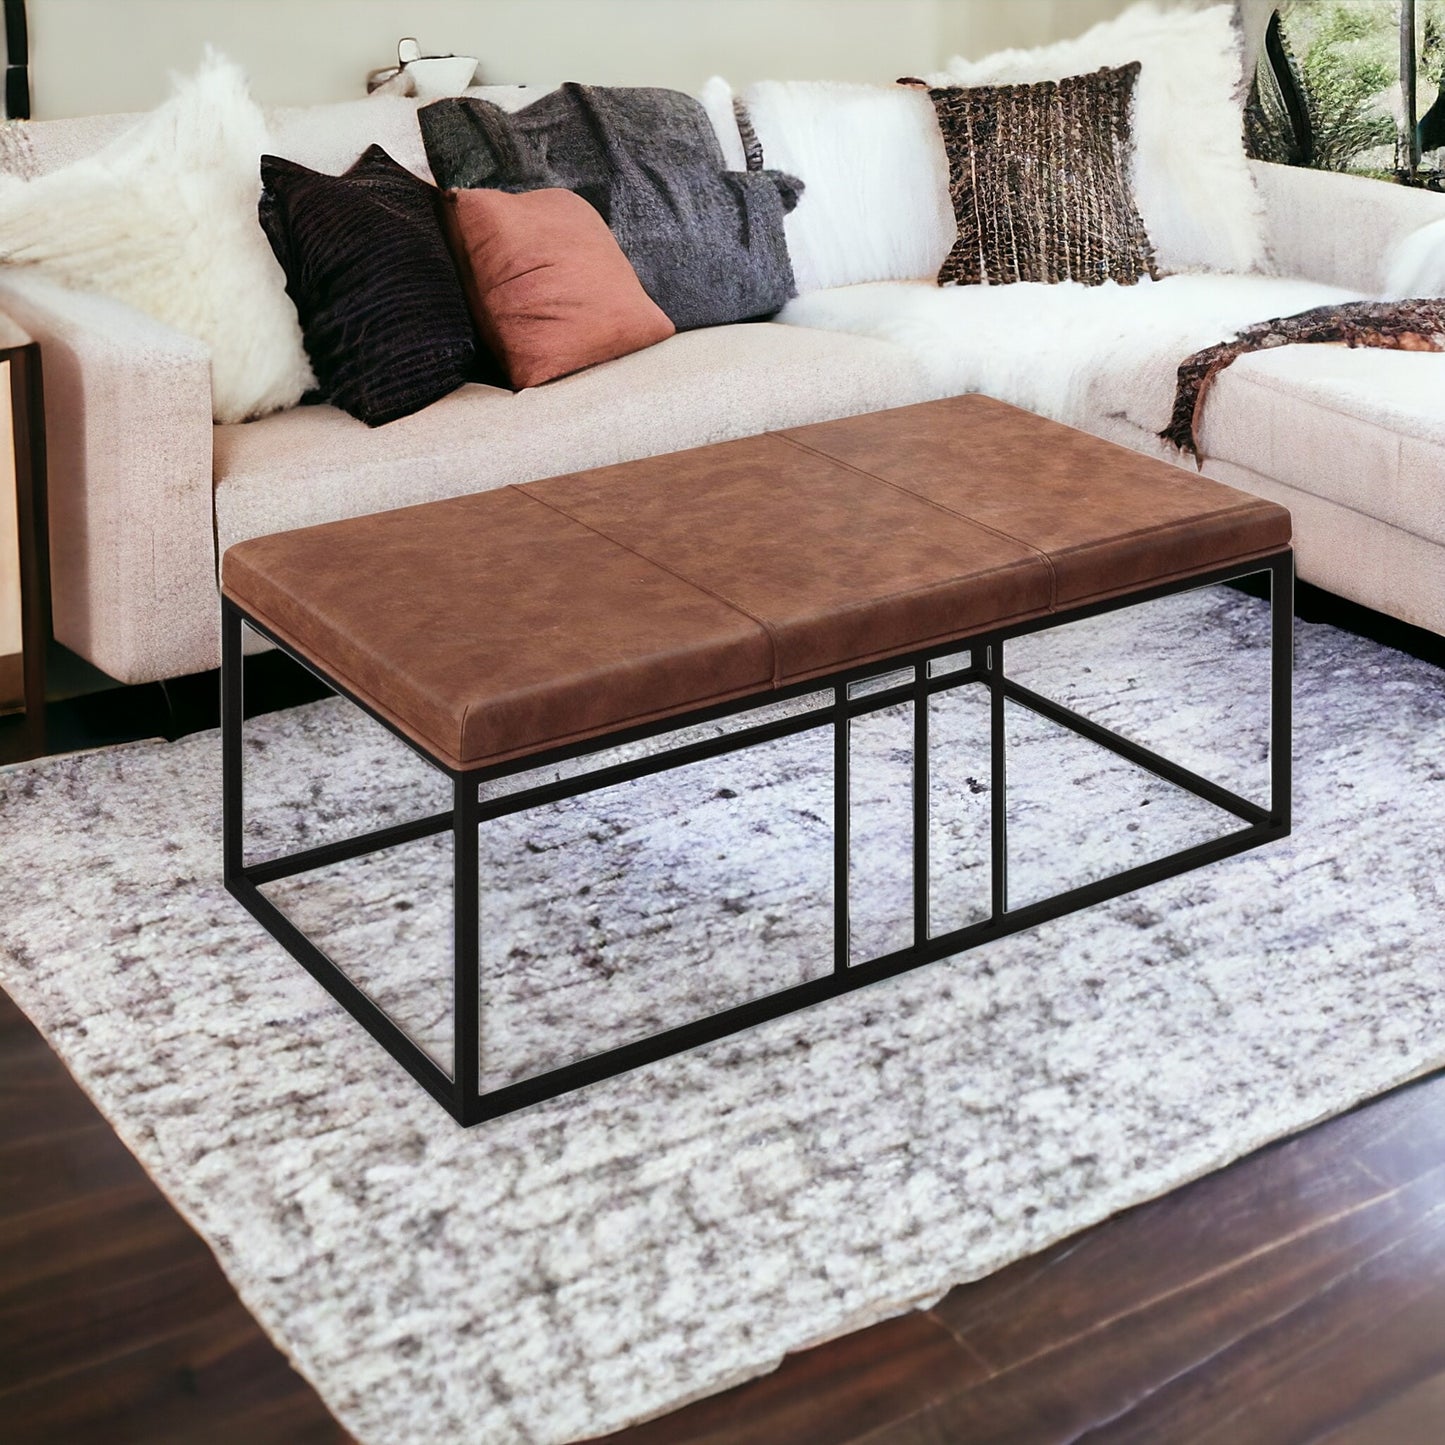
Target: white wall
point(974, 28)
point(97, 55)
point(93, 56)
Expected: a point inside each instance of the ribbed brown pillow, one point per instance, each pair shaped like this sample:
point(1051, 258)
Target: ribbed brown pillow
point(547, 283)
point(1039, 176)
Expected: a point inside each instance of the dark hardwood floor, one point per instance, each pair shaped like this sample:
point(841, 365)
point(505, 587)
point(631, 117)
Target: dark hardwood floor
point(116, 1323)
point(1298, 1295)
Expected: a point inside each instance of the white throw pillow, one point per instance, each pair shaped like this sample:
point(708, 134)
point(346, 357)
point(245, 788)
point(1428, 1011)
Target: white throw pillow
point(1191, 177)
point(164, 219)
point(716, 98)
point(876, 204)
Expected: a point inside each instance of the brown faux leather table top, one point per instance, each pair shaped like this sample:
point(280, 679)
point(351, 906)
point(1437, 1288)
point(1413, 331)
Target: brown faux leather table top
point(492, 626)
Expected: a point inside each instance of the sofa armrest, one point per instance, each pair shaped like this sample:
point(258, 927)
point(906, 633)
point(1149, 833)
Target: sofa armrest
point(1338, 229)
point(128, 439)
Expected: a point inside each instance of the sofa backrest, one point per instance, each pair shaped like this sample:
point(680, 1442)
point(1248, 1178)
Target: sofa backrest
point(324, 137)
point(35, 147)
point(330, 137)
point(1344, 230)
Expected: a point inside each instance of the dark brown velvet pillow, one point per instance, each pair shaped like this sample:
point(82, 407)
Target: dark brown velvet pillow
point(382, 310)
point(1039, 176)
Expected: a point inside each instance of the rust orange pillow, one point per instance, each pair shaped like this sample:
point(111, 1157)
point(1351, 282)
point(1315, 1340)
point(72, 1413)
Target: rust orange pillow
point(547, 283)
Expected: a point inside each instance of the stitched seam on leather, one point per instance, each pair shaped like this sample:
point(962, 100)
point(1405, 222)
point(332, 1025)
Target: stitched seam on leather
point(942, 585)
point(938, 506)
point(671, 572)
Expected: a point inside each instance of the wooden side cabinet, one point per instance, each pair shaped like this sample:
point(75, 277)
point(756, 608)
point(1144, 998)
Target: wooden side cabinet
point(24, 548)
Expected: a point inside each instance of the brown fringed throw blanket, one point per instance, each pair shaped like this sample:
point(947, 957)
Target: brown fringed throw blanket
point(1400, 325)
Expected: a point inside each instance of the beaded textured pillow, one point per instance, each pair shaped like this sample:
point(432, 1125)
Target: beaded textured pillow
point(1039, 176)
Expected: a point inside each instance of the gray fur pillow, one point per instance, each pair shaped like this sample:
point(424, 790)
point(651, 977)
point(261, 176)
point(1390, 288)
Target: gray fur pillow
point(706, 243)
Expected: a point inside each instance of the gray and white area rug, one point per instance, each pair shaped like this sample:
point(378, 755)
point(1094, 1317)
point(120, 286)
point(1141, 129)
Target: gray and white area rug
point(610, 1255)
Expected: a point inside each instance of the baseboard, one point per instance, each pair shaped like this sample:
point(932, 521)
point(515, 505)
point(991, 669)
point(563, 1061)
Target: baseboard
point(169, 710)
point(1314, 604)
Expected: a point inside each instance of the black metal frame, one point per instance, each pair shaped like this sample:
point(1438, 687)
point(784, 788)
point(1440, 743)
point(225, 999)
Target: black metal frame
point(23, 736)
point(17, 61)
point(459, 1092)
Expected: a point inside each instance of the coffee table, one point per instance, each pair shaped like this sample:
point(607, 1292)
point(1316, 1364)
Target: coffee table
point(526, 626)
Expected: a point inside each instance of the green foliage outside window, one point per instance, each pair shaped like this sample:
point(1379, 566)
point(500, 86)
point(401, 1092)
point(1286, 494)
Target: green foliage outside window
point(1349, 62)
point(1345, 60)
point(1432, 46)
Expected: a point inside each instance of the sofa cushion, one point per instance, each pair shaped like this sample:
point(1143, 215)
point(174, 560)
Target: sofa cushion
point(387, 326)
point(1414, 326)
point(316, 463)
point(1191, 177)
point(707, 243)
point(1361, 428)
point(876, 207)
point(547, 283)
point(1352, 554)
point(1039, 176)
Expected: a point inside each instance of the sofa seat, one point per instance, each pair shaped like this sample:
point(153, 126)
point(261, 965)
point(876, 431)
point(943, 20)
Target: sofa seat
point(316, 464)
point(1101, 358)
point(1364, 429)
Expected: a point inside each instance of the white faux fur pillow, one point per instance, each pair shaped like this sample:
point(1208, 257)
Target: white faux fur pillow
point(716, 98)
point(1191, 177)
point(876, 204)
point(164, 219)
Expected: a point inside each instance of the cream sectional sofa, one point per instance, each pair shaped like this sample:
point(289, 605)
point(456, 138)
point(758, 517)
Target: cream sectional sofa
point(1351, 441)
point(145, 492)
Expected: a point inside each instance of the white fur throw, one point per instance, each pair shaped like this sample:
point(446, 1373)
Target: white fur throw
point(1101, 358)
point(1191, 178)
point(164, 219)
point(876, 207)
